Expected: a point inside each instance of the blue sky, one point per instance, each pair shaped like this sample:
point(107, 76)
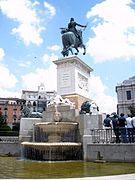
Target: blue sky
point(30, 40)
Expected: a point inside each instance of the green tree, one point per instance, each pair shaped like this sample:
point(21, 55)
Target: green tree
point(132, 110)
point(2, 120)
point(3, 124)
point(16, 127)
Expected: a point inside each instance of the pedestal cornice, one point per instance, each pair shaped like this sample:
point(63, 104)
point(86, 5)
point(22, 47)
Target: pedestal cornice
point(73, 59)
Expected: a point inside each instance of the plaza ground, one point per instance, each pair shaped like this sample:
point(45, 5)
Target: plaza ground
point(118, 177)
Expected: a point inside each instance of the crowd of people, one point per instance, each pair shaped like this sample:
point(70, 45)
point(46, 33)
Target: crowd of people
point(123, 127)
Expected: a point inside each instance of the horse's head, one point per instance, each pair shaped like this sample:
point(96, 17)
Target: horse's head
point(63, 30)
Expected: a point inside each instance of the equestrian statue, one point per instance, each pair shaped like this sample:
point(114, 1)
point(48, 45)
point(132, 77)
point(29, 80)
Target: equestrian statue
point(72, 38)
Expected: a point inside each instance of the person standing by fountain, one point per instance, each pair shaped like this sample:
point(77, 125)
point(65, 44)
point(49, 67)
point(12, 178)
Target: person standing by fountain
point(122, 124)
point(107, 121)
point(130, 129)
point(133, 124)
point(108, 125)
point(115, 125)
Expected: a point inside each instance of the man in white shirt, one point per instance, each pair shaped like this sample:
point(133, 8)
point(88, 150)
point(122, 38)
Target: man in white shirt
point(133, 124)
point(130, 129)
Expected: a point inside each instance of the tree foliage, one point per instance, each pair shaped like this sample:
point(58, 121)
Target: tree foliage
point(3, 124)
point(132, 110)
point(2, 120)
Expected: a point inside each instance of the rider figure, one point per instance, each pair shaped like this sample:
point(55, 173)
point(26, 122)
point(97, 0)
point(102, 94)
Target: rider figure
point(72, 27)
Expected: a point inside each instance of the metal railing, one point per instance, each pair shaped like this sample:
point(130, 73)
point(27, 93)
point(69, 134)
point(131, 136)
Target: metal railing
point(9, 139)
point(9, 136)
point(109, 135)
point(9, 133)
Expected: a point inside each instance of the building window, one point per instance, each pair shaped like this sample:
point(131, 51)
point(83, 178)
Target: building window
point(34, 103)
point(14, 108)
point(5, 108)
point(39, 97)
point(128, 93)
point(29, 104)
point(5, 115)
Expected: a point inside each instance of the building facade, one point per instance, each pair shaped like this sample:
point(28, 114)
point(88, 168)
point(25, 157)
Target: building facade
point(125, 95)
point(37, 100)
point(11, 109)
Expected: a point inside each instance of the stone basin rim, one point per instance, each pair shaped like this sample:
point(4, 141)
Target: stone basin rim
point(56, 123)
point(51, 144)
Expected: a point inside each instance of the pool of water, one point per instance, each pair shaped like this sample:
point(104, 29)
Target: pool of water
point(11, 167)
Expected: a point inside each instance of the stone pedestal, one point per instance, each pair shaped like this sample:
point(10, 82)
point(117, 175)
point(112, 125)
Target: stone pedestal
point(87, 123)
point(73, 79)
point(26, 128)
point(76, 99)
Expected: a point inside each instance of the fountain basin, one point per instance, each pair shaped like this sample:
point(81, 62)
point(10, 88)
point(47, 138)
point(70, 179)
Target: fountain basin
point(53, 141)
point(58, 151)
point(56, 132)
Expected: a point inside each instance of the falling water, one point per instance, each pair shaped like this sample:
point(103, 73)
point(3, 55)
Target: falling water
point(54, 141)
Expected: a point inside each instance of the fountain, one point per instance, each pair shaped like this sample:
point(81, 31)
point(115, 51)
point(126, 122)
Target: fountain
point(56, 139)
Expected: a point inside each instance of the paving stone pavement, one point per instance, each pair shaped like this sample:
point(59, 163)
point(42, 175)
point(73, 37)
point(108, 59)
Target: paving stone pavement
point(118, 177)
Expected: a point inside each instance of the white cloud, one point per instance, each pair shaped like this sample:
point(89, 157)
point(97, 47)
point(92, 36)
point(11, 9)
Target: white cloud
point(54, 48)
point(114, 30)
point(25, 64)
point(2, 54)
point(47, 76)
point(49, 58)
point(106, 103)
point(24, 13)
point(28, 33)
point(4, 93)
point(7, 79)
point(51, 9)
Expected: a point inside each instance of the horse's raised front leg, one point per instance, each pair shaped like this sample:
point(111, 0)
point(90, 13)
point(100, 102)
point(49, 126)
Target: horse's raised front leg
point(84, 49)
point(65, 52)
point(77, 51)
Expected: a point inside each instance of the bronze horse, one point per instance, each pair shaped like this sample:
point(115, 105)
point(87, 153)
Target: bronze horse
point(70, 41)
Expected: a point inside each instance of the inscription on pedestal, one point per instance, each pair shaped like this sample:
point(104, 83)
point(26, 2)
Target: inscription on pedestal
point(65, 79)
